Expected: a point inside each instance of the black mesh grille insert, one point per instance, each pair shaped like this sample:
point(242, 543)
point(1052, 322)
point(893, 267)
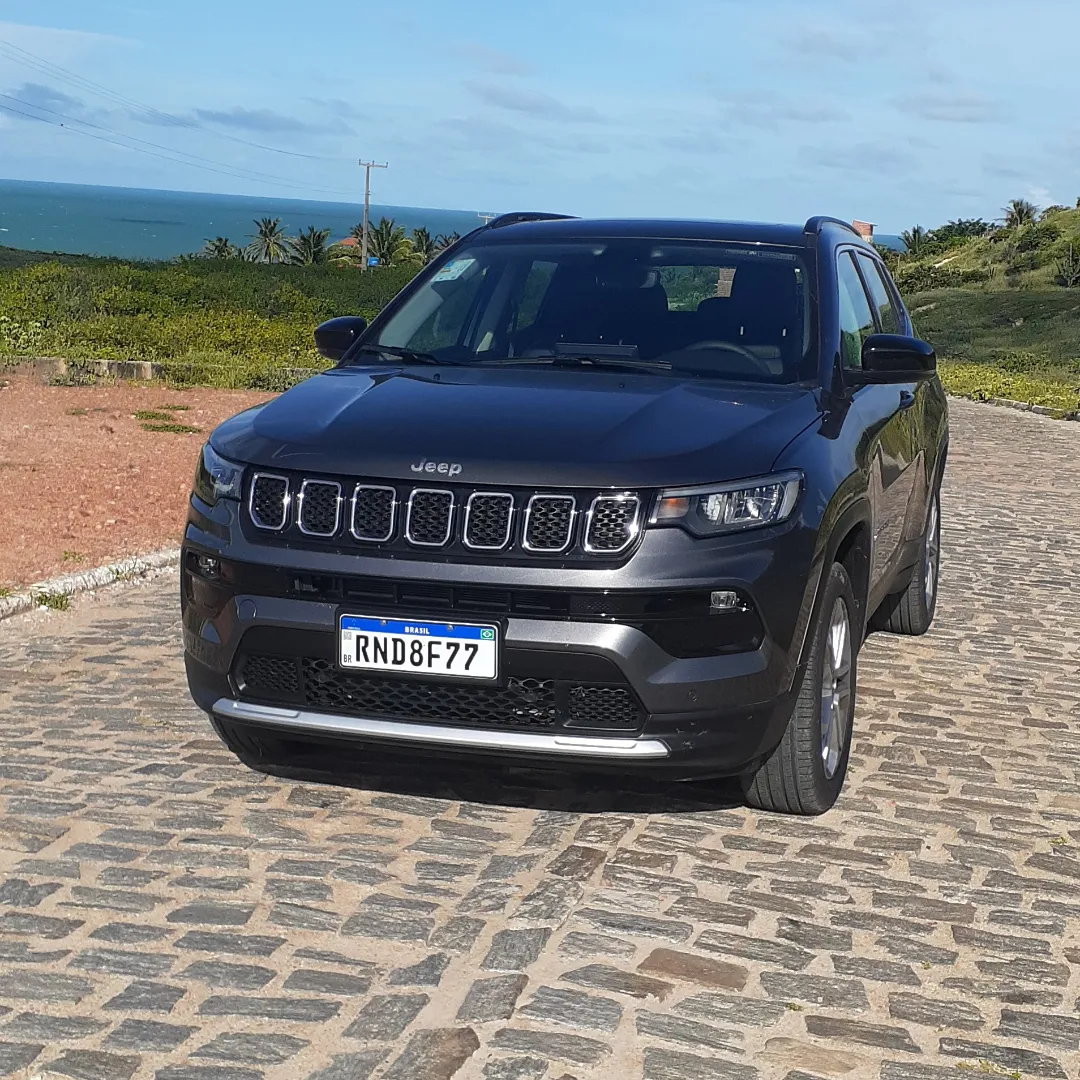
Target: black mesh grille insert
point(612, 523)
point(550, 519)
point(603, 707)
point(320, 503)
point(373, 513)
point(316, 683)
point(487, 521)
point(429, 517)
point(269, 506)
point(521, 703)
point(270, 675)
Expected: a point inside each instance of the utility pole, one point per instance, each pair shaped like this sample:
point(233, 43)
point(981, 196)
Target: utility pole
point(485, 218)
point(367, 166)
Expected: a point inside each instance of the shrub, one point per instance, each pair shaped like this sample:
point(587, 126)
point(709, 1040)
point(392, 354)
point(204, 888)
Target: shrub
point(1068, 269)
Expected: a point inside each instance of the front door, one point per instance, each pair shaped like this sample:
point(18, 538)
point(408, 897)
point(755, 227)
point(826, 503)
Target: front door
point(884, 413)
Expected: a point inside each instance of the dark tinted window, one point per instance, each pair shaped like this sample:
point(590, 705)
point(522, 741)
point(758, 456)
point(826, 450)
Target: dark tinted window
point(856, 318)
point(715, 310)
point(880, 295)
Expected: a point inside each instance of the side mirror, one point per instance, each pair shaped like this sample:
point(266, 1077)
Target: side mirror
point(335, 336)
point(895, 358)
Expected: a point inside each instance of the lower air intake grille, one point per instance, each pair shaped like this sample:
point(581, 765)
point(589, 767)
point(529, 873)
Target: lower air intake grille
point(549, 521)
point(613, 523)
point(269, 501)
point(603, 707)
point(429, 517)
point(487, 521)
point(271, 674)
point(521, 703)
point(318, 684)
point(320, 507)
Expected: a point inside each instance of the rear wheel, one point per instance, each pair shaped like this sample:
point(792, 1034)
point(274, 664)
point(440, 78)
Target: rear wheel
point(805, 773)
point(912, 611)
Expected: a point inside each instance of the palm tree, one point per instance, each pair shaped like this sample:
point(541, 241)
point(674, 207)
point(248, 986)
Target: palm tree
point(269, 244)
point(915, 239)
point(309, 247)
point(219, 248)
point(1020, 212)
point(424, 245)
point(388, 243)
point(444, 240)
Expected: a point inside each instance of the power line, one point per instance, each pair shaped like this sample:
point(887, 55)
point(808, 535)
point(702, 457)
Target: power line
point(80, 82)
point(180, 156)
point(138, 149)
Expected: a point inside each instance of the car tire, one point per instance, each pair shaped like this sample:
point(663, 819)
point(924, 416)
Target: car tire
point(912, 611)
point(805, 773)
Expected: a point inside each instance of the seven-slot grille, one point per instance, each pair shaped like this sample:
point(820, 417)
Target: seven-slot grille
point(540, 524)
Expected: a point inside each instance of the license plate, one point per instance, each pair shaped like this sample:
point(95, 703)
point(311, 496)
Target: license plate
point(417, 647)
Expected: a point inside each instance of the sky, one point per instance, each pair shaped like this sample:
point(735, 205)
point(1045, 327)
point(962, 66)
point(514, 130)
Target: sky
point(895, 113)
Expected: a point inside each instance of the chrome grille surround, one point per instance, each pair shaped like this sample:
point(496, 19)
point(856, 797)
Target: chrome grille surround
point(487, 527)
point(544, 530)
point(313, 508)
point(432, 510)
point(261, 496)
point(369, 493)
point(612, 523)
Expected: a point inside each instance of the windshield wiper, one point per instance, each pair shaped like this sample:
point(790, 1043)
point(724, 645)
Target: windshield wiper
point(580, 361)
point(408, 355)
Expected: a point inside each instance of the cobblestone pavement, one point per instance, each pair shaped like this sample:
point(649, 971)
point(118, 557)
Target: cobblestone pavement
point(166, 913)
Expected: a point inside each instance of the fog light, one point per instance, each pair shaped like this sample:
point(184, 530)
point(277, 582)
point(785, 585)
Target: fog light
point(724, 600)
point(208, 565)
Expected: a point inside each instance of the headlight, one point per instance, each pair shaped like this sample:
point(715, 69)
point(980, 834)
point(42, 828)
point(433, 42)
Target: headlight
point(216, 478)
point(722, 508)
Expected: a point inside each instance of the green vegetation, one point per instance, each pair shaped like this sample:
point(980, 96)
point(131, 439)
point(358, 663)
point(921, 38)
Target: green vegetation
point(171, 427)
point(222, 322)
point(54, 601)
point(1000, 304)
point(153, 414)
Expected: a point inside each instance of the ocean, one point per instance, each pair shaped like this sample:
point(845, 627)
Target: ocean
point(135, 223)
point(132, 223)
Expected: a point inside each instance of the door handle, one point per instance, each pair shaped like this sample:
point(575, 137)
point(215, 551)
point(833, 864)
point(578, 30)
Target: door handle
point(907, 399)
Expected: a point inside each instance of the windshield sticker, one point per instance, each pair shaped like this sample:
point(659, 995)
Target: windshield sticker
point(453, 269)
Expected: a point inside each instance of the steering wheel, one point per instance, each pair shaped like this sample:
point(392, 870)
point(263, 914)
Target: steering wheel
point(730, 346)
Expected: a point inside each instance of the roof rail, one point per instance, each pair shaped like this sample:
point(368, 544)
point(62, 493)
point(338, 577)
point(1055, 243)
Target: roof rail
point(815, 223)
point(526, 215)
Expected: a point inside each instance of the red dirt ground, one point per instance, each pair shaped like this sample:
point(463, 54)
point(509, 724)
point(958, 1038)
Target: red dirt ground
point(81, 483)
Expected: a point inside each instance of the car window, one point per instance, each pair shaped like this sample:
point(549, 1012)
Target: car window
point(856, 318)
point(880, 295)
point(715, 310)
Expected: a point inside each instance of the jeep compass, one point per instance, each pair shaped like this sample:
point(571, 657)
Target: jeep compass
point(615, 495)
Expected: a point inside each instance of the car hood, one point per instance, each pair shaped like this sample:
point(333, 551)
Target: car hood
point(518, 426)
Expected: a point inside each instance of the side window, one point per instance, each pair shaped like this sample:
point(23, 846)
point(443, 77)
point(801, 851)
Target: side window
point(880, 294)
point(856, 318)
point(449, 320)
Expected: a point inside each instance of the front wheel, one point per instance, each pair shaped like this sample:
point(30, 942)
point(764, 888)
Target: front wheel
point(805, 773)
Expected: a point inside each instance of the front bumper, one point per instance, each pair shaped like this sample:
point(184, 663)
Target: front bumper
point(701, 715)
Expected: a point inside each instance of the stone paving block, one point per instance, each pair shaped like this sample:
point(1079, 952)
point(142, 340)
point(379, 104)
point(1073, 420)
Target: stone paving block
point(150, 884)
point(252, 1049)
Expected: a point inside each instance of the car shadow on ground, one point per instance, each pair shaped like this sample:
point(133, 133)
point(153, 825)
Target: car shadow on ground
point(498, 785)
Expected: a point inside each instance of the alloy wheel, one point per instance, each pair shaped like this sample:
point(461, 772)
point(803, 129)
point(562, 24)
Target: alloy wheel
point(835, 688)
point(932, 556)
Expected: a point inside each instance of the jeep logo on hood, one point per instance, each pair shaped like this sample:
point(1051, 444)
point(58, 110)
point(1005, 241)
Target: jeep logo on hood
point(444, 468)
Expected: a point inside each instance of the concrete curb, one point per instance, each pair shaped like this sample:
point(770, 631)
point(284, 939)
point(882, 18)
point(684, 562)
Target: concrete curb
point(1021, 406)
point(126, 569)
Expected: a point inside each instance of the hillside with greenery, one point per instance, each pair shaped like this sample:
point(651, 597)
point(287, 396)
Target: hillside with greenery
point(1000, 302)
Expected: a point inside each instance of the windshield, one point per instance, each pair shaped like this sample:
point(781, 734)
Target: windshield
point(713, 310)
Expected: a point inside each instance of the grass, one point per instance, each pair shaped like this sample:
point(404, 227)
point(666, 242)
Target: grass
point(172, 427)
point(153, 414)
point(54, 601)
point(4, 592)
point(175, 408)
point(78, 412)
point(73, 556)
